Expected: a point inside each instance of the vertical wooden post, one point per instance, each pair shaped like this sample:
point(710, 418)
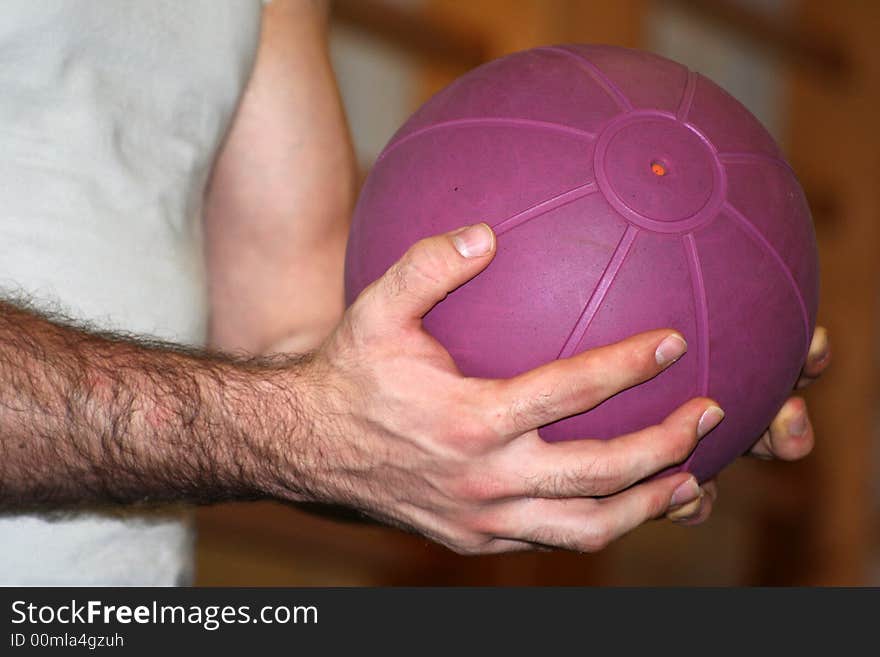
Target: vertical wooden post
point(835, 145)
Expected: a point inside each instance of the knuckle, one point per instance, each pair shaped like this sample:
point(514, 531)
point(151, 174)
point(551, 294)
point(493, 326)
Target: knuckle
point(657, 504)
point(478, 486)
point(591, 475)
point(470, 436)
point(470, 544)
point(596, 537)
point(395, 279)
point(632, 359)
point(681, 444)
point(550, 537)
point(600, 472)
point(482, 522)
point(490, 400)
point(525, 413)
point(678, 439)
point(639, 361)
point(615, 368)
point(424, 261)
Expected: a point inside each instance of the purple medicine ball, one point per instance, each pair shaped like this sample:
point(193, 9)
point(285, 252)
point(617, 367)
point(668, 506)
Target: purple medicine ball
point(627, 193)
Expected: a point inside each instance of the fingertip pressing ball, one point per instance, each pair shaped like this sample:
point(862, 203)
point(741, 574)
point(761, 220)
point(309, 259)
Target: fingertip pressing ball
point(627, 193)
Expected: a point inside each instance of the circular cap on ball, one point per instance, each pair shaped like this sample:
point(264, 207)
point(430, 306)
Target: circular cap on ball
point(659, 172)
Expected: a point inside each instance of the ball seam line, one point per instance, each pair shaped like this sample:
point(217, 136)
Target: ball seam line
point(488, 121)
point(750, 157)
point(763, 243)
point(596, 74)
point(701, 311)
point(621, 251)
point(687, 97)
point(541, 208)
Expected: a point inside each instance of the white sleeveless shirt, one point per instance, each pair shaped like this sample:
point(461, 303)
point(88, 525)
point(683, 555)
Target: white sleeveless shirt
point(111, 114)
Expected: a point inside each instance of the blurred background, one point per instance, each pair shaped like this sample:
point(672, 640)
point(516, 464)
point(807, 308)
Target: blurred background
point(810, 70)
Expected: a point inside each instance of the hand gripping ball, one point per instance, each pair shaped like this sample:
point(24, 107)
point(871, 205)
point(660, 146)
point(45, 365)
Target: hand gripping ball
point(627, 194)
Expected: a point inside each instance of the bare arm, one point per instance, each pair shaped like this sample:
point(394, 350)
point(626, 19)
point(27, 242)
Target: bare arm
point(281, 193)
point(88, 418)
point(377, 418)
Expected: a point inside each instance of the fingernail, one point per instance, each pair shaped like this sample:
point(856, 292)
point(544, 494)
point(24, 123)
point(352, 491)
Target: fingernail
point(709, 420)
point(820, 345)
point(687, 511)
point(797, 426)
point(686, 492)
point(670, 350)
point(473, 241)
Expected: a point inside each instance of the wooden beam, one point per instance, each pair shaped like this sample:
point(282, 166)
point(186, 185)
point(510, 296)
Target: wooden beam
point(413, 32)
point(798, 47)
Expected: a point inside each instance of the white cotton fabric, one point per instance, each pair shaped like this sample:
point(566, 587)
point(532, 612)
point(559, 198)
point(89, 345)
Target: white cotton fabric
point(111, 114)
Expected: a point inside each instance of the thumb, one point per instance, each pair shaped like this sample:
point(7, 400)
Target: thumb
point(431, 269)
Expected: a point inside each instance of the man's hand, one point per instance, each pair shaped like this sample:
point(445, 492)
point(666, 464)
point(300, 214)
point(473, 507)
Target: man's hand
point(789, 437)
point(378, 418)
point(397, 431)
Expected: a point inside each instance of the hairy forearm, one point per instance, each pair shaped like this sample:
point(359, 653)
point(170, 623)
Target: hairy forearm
point(89, 418)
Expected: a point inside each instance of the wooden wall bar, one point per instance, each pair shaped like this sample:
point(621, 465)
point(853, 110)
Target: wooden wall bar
point(835, 141)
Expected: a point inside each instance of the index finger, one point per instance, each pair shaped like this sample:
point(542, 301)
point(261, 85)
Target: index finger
point(576, 384)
